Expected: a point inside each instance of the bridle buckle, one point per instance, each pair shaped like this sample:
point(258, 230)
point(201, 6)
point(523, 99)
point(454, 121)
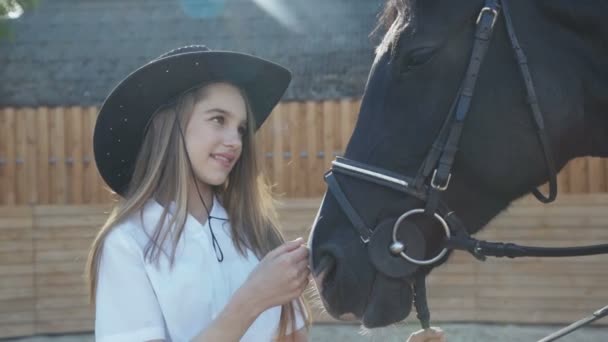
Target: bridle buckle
point(436, 186)
point(488, 9)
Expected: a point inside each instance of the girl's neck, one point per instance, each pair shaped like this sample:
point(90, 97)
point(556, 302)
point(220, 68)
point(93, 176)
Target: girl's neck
point(195, 206)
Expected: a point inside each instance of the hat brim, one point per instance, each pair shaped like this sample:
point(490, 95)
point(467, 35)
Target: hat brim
point(126, 112)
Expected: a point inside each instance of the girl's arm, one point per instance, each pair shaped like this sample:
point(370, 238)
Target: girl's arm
point(232, 323)
point(280, 277)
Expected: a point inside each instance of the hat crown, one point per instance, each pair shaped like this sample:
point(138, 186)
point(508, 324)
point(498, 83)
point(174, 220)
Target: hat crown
point(185, 49)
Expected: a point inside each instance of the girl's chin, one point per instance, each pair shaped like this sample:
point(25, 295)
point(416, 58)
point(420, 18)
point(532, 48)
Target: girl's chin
point(213, 176)
point(215, 180)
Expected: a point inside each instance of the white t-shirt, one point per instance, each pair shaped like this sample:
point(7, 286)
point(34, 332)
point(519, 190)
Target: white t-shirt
point(136, 301)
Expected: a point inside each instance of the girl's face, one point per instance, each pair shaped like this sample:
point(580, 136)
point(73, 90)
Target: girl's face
point(214, 133)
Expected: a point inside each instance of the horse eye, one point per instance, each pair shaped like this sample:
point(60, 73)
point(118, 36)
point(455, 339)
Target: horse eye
point(416, 58)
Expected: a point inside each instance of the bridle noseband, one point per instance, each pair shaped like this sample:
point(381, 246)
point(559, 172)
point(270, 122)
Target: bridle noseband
point(438, 166)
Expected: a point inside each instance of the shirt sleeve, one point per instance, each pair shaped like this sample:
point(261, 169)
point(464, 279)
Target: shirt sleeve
point(126, 305)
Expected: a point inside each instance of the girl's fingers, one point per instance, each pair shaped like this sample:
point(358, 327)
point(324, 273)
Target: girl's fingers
point(303, 283)
point(302, 266)
point(286, 247)
point(300, 253)
point(432, 334)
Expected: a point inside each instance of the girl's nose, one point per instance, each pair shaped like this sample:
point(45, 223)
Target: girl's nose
point(233, 138)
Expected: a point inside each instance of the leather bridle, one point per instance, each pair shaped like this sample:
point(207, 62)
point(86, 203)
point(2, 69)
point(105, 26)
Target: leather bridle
point(433, 178)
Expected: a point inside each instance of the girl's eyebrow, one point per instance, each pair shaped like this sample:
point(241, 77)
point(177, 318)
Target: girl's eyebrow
point(224, 112)
point(219, 110)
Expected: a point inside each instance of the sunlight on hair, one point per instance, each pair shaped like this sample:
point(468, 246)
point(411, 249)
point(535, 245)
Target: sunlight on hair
point(12, 8)
point(279, 11)
point(203, 8)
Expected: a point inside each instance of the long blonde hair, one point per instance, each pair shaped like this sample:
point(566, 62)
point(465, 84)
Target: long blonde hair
point(162, 171)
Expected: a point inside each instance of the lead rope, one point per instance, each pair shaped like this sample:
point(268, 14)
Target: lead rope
point(422, 309)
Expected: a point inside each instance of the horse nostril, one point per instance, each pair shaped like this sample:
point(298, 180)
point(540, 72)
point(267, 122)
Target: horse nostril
point(325, 272)
point(327, 265)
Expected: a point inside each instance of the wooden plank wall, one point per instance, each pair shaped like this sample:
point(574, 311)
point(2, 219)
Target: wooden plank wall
point(17, 283)
point(530, 290)
point(42, 255)
point(46, 153)
point(46, 157)
point(43, 250)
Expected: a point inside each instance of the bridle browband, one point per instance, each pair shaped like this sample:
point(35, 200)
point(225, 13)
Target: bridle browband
point(438, 166)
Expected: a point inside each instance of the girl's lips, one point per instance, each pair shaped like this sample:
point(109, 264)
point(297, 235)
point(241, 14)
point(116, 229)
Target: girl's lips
point(225, 159)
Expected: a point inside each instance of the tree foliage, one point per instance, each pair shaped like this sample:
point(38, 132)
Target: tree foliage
point(11, 10)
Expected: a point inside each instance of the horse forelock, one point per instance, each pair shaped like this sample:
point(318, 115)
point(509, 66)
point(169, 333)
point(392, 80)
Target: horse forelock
point(395, 17)
point(394, 9)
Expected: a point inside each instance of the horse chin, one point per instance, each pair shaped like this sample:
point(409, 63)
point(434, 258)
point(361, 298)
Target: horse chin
point(389, 302)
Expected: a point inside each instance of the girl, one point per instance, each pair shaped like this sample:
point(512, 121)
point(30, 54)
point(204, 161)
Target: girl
point(191, 249)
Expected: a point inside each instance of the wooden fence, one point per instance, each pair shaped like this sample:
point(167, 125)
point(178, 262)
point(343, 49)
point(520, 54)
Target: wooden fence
point(43, 249)
point(46, 153)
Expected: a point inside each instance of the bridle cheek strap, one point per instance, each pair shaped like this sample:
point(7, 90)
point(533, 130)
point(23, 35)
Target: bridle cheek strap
point(347, 208)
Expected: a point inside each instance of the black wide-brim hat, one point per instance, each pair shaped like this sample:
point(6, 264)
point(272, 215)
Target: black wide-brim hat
point(126, 112)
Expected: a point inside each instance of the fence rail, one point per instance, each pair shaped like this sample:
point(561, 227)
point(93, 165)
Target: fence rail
point(46, 153)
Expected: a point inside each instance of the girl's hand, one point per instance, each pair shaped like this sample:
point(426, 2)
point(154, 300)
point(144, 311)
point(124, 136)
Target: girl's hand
point(433, 334)
point(280, 277)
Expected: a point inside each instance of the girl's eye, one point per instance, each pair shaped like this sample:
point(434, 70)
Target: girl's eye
point(218, 119)
point(242, 131)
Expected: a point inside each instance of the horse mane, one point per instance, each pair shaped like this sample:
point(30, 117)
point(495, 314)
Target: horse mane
point(587, 17)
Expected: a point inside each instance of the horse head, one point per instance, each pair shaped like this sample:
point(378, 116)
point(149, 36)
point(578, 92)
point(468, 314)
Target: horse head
point(451, 129)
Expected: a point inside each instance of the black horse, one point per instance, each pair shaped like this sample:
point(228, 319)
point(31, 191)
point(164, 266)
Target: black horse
point(402, 154)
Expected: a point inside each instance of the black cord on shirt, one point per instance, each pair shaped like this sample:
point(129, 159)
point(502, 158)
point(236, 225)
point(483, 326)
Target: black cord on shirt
point(219, 254)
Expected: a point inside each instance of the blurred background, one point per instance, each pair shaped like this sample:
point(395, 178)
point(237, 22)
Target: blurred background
point(60, 58)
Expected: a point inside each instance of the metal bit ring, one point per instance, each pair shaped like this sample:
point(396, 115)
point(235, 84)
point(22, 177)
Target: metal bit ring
point(445, 226)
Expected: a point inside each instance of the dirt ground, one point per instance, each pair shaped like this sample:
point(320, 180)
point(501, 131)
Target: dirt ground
point(454, 333)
